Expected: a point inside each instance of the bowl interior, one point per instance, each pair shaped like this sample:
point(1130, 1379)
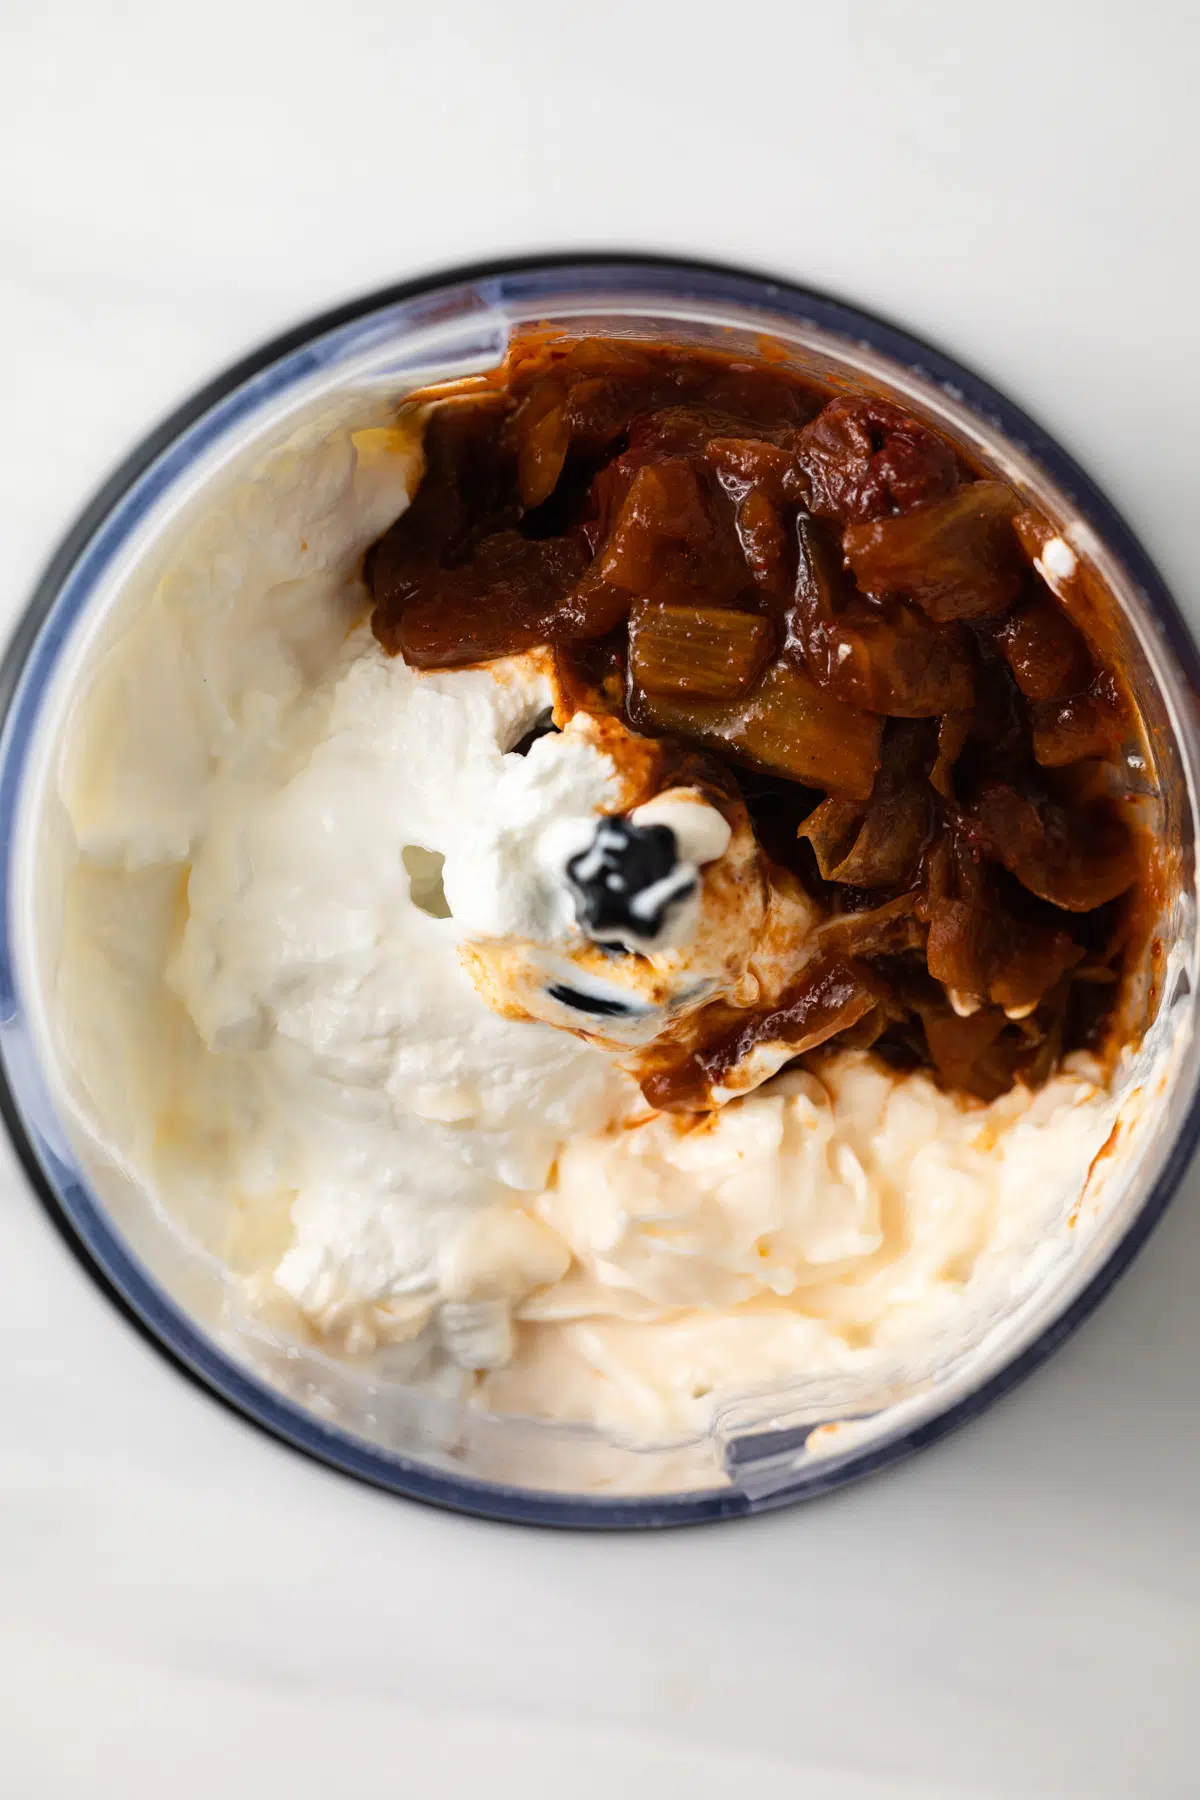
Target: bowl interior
point(762, 1447)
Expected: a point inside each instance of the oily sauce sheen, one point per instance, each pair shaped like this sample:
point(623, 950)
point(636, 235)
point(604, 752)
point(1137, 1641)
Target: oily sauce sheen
point(821, 593)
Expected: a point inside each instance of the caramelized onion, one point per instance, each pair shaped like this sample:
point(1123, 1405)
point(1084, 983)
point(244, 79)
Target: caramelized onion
point(864, 458)
point(886, 657)
point(1087, 725)
point(887, 930)
point(832, 994)
point(896, 826)
point(705, 650)
point(1076, 858)
point(967, 1053)
point(984, 953)
point(503, 599)
point(785, 726)
point(958, 558)
point(1044, 650)
point(831, 829)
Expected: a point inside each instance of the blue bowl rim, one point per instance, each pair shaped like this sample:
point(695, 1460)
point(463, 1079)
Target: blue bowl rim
point(97, 1247)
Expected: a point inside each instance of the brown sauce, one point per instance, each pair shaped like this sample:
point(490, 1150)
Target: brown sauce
point(822, 593)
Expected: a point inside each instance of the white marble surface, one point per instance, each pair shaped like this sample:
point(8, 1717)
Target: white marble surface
point(186, 1608)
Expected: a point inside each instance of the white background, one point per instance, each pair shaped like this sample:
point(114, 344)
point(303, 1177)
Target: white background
point(187, 1609)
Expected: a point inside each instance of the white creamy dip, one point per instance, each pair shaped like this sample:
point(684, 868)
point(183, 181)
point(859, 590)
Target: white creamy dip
point(299, 862)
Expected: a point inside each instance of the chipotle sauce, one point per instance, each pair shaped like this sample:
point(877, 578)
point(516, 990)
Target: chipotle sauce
point(822, 593)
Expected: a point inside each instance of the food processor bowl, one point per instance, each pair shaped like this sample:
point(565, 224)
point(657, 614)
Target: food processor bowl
point(764, 1449)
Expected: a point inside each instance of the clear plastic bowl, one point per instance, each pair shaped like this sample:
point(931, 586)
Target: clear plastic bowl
point(764, 1451)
